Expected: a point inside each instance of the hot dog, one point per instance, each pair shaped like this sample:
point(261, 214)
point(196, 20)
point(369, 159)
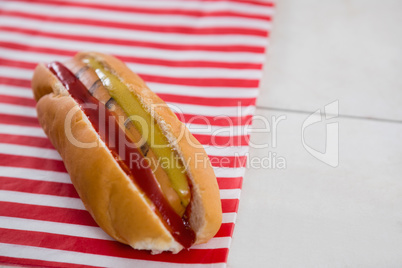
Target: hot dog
point(112, 131)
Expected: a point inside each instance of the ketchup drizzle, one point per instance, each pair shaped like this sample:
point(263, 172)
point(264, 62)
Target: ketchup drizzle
point(144, 178)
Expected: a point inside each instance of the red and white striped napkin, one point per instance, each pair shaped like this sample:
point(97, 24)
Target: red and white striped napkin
point(203, 57)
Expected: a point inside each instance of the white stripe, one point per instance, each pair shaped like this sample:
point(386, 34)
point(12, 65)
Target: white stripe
point(41, 200)
point(221, 131)
point(217, 111)
point(15, 72)
point(230, 193)
point(28, 56)
point(17, 110)
point(118, 50)
point(16, 91)
point(192, 5)
point(224, 172)
point(56, 255)
point(226, 151)
point(219, 92)
point(229, 217)
point(29, 151)
point(22, 130)
point(138, 18)
point(130, 34)
point(35, 174)
point(192, 72)
point(53, 228)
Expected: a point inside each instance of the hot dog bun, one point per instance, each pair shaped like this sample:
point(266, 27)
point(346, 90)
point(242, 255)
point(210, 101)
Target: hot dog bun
point(113, 200)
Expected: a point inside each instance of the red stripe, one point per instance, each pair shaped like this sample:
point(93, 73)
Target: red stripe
point(226, 230)
point(46, 213)
point(106, 247)
point(171, 63)
point(26, 140)
point(19, 120)
point(15, 82)
point(17, 100)
point(40, 263)
point(14, 63)
point(138, 43)
point(198, 63)
point(140, 27)
point(38, 187)
point(230, 205)
point(31, 162)
point(162, 11)
point(230, 183)
point(223, 141)
point(28, 48)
